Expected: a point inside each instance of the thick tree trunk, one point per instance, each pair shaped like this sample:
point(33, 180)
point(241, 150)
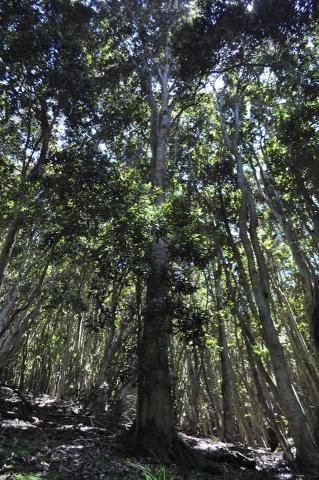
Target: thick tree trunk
point(154, 423)
point(154, 420)
point(154, 426)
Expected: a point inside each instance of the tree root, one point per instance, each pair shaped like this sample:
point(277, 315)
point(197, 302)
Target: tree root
point(179, 452)
point(188, 457)
point(22, 397)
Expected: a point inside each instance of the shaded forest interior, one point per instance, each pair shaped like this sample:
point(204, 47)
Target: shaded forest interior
point(159, 239)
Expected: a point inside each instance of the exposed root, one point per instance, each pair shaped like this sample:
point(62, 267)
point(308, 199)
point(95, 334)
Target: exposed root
point(18, 392)
point(179, 452)
point(189, 458)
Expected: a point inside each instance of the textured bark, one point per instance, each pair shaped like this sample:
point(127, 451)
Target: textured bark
point(154, 420)
point(154, 408)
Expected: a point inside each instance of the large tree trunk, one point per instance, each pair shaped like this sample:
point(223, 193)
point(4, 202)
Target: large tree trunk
point(154, 421)
point(154, 426)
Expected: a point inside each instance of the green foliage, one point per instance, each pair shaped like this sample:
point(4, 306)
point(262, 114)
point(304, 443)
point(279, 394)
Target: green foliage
point(79, 209)
point(152, 473)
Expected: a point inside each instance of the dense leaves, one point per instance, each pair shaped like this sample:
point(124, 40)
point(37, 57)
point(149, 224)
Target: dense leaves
point(83, 89)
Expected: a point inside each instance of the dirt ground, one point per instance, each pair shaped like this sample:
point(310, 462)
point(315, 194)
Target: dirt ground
point(42, 440)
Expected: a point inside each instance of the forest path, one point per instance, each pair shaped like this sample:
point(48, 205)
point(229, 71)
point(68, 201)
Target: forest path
point(42, 440)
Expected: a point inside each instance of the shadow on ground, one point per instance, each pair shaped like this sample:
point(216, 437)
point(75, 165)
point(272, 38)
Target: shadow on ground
point(42, 440)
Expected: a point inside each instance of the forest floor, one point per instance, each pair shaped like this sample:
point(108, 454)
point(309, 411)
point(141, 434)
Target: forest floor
point(42, 440)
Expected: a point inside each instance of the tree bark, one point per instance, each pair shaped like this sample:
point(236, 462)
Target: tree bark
point(8, 245)
point(154, 421)
point(307, 452)
point(227, 386)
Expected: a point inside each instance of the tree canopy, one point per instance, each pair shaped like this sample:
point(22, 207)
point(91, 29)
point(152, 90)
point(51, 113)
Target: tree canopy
point(159, 222)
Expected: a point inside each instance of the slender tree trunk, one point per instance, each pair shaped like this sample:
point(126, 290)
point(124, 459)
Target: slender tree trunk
point(65, 363)
point(193, 374)
point(227, 385)
point(8, 245)
point(17, 219)
point(214, 404)
point(304, 264)
point(23, 362)
point(307, 453)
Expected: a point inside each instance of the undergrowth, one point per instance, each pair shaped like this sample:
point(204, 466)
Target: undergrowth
point(151, 473)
